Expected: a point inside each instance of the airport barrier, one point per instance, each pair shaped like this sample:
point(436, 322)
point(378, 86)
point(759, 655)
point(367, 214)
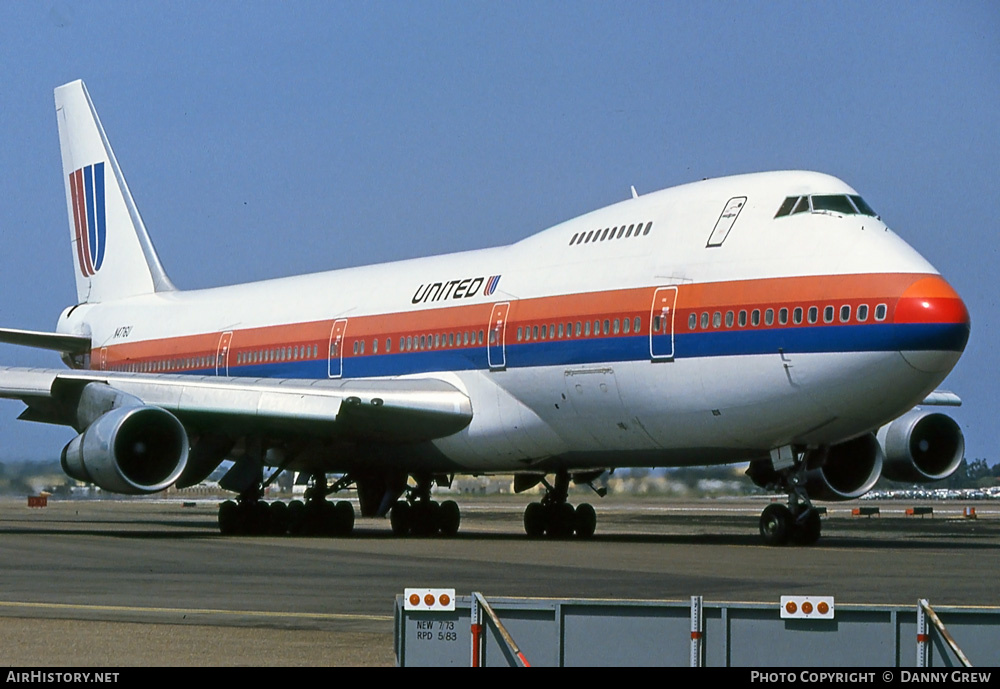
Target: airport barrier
point(797, 631)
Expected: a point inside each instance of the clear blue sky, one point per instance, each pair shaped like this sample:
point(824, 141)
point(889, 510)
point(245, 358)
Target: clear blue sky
point(268, 139)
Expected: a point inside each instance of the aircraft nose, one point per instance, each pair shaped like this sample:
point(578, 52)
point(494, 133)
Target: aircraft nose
point(934, 325)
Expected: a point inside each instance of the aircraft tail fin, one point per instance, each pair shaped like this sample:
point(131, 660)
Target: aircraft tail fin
point(112, 253)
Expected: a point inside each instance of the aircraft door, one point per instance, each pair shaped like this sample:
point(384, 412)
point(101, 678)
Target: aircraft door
point(726, 221)
point(495, 350)
point(661, 324)
point(222, 354)
point(337, 334)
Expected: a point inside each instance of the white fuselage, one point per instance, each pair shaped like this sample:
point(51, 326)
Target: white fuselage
point(690, 362)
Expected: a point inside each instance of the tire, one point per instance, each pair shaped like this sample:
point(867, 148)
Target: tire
point(399, 518)
point(279, 518)
point(449, 518)
point(296, 516)
point(585, 521)
point(775, 524)
point(229, 518)
point(534, 520)
point(345, 518)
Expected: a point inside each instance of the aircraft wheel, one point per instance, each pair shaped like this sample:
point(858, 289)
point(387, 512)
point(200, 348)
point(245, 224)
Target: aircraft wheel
point(806, 531)
point(330, 520)
point(257, 518)
point(561, 519)
point(399, 518)
point(534, 520)
point(585, 520)
point(229, 518)
point(776, 524)
point(345, 518)
point(296, 515)
point(449, 518)
point(279, 518)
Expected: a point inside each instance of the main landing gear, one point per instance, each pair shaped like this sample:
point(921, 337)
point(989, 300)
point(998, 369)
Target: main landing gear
point(249, 515)
point(798, 523)
point(555, 517)
point(418, 515)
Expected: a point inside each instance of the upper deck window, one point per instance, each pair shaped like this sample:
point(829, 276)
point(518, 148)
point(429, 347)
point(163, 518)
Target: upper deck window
point(828, 203)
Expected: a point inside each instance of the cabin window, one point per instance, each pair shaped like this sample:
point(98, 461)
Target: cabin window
point(828, 314)
point(704, 320)
point(813, 314)
point(797, 315)
point(743, 318)
point(783, 316)
point(607, 326)
point(717, 319)
point(862, 312)
point(880, 312)
point(845, 313)
point(730, 318)
point(636, 324)
point(769, 317)
point(755, 318)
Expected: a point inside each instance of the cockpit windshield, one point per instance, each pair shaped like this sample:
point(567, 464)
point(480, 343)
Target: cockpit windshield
point(825, 203)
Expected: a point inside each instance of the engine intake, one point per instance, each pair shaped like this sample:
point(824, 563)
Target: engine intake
point(848, 471)
point(922, 446)
point(132, 450)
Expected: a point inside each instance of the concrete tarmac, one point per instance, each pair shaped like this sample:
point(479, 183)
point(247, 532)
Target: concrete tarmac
point(151, 582)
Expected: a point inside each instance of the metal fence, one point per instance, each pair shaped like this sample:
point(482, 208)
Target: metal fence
point(473, 630)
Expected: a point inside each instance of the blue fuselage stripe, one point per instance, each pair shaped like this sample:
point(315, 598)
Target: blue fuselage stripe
point(872, 337)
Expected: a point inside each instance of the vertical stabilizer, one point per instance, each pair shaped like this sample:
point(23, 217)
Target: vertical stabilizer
point(112, 254)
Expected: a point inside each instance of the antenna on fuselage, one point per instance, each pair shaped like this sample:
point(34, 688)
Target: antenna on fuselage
point(635, 194)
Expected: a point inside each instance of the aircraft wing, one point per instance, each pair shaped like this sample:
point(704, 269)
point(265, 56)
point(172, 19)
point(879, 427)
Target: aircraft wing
point(385, 411)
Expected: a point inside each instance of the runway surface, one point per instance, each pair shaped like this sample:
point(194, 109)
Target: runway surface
point(151, 582)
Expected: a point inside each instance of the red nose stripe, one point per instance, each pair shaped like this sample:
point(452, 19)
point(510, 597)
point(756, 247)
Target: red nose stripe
point(931, 300)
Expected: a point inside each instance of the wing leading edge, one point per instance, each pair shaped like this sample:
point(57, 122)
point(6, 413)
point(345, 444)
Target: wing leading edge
point(394, 411)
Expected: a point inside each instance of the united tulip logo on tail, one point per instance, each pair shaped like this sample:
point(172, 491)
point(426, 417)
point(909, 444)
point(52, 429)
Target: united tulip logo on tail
point(87, 185)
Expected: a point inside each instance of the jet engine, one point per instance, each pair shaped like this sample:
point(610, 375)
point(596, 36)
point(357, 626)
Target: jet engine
point(132, 450)
point(922, 446)
point(845, 471)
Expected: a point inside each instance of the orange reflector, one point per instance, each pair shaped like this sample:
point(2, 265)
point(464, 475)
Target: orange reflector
point(803, 607)
point(429, 599)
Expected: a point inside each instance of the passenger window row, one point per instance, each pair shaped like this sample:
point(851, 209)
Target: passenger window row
point(620, 232)
point(797, 315)
point(596, 328)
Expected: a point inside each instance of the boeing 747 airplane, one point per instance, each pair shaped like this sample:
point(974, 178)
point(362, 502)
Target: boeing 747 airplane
point(771, 318)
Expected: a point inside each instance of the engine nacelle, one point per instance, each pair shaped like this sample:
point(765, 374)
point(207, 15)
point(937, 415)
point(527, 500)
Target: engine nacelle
point(922, 446)
point(132, 450)
point(848, 471)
